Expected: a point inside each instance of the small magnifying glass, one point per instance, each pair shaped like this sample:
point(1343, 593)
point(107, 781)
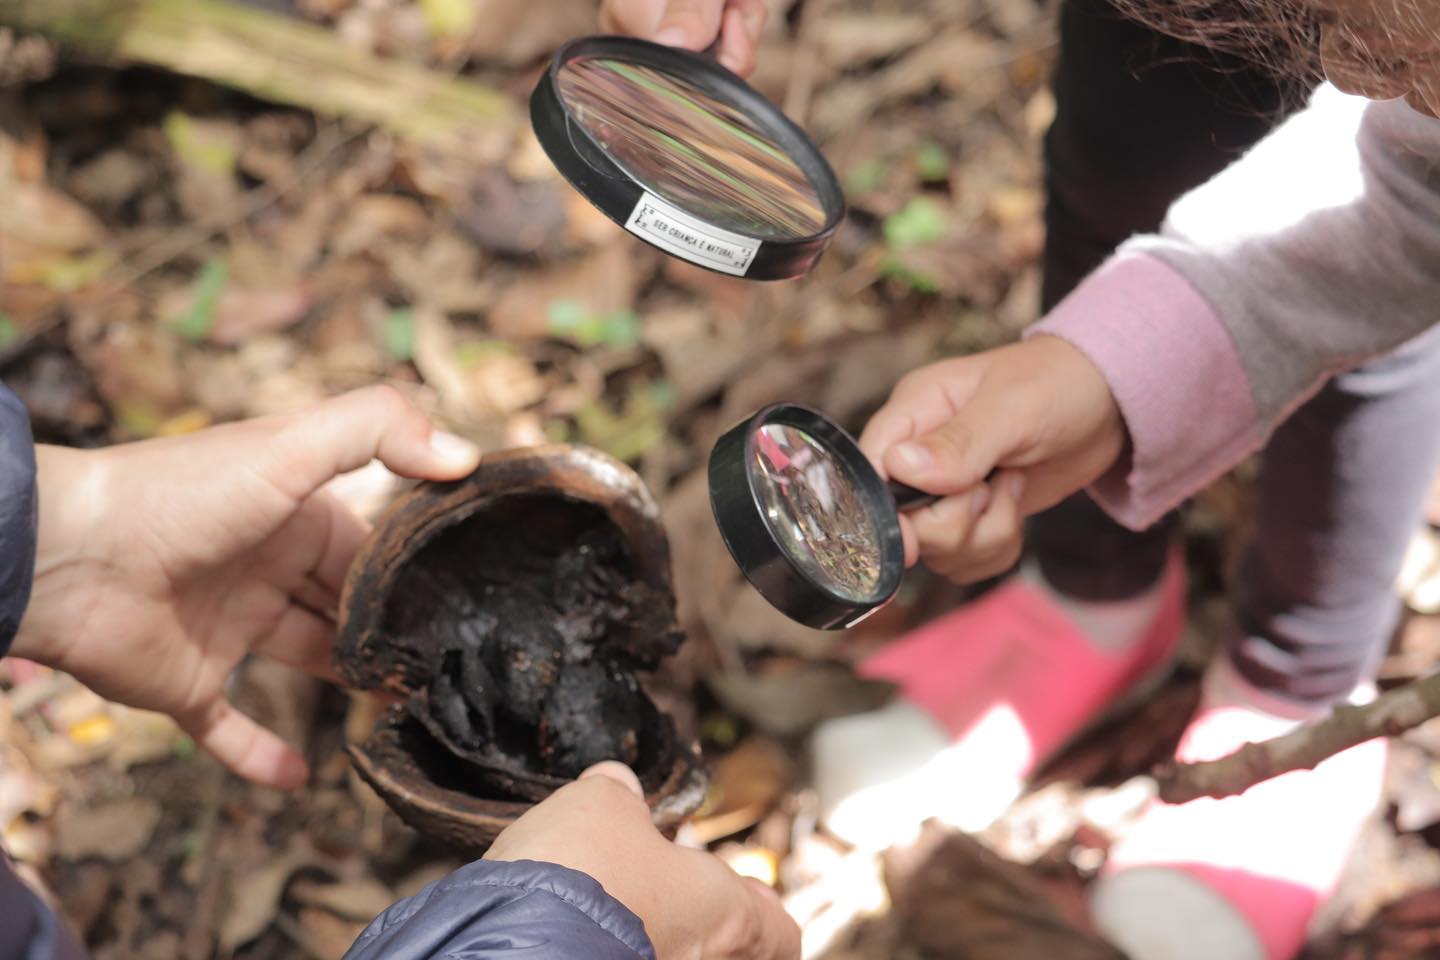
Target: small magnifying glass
point(809, 520)
point(686, 156)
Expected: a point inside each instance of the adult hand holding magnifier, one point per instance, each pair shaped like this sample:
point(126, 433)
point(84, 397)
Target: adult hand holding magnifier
point(727, 29)
point(687, 157)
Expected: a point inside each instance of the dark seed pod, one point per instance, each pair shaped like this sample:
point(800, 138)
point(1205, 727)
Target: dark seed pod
point(509, 613)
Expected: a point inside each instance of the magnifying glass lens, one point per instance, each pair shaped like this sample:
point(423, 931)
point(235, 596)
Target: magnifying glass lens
point(814, 508)
point(706, 156)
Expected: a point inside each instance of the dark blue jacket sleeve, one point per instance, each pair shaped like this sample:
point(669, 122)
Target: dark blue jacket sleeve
point(17, 514)
point(506, 911)
point(28, 930)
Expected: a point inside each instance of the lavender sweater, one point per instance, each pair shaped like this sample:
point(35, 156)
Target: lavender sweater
point(1315, 252)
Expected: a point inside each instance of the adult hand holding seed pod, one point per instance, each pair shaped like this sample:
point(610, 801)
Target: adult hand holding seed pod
point(162, 564)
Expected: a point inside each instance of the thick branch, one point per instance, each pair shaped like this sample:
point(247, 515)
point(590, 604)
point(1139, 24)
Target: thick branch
point(274, 58)
point(1302, 749)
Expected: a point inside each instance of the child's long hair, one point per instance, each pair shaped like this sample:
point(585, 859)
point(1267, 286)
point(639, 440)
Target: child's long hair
point(1282, 35)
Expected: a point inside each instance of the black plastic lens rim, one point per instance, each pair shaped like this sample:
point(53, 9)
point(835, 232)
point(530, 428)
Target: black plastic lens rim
point(615, 192)
point(761, 555)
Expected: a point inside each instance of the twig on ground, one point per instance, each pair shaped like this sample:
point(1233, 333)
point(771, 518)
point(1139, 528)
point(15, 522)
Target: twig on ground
point(278, 59)
point(1388, 715)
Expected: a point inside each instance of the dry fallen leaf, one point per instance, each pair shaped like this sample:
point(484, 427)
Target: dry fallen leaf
point(110, 831)
point(790, 697)
point(847, 40)
point(958, 899)
point(361, 899)
point(449, 367)
point(447, 272)
point(585, 225)
point(375, 219)
point(137, 370)
point(37, 217)
point(514, 35)
point(22, 789)
point(745, 784)
point(243, 313)
point(112, 178)
point(509, 216)
point(959, 60)
point(1419, 578)
point(757, 863)
point(603, 282)
point(324, 935)
point(254, 898)
point(142, 737)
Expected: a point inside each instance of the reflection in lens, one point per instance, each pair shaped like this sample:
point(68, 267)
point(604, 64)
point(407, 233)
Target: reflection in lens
point(814, 508)
point(701, 154)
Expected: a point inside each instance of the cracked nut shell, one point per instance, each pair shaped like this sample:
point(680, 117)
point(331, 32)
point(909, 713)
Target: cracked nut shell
point(509, 613)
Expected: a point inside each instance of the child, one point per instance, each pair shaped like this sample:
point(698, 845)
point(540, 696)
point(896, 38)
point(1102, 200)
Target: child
point(1269, 286)
point(158, 566)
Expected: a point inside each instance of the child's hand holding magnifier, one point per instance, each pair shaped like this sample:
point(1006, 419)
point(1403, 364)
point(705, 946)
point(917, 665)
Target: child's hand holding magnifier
point(1039, 411)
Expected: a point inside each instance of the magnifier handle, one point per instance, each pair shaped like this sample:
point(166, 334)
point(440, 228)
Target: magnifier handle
point(909, 498)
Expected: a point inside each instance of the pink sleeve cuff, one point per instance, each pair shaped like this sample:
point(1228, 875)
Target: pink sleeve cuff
point(1176, 376)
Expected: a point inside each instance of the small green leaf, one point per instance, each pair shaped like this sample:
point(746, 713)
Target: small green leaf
point(68, 274)
point(556, 431)
point(448, 18)
point(572, 320)
point(630, 432)
point(198, 146)
point(620, 328)
point(867, 175)
point(138, 418)
point(720, 729)
point(932, 162)
point(566, 315)
point(916, 280)
point(192, 844)
point(8, 331)
point(471, 353)
point(196, 322)
point(662, 395)
point(399, 333)
point(921, 221)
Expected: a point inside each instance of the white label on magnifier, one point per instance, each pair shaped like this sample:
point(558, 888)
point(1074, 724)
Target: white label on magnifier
point(674, 230)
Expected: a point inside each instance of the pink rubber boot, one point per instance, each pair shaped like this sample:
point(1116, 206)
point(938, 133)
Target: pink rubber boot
point(986, 693)
point(1238, 878)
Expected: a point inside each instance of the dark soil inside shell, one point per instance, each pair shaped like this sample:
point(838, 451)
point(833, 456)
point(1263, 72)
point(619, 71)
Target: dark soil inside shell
point(527, 623)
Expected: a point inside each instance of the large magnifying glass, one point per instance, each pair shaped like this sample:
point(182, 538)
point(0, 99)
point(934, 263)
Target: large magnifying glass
point(806, 516)
point(687, 157)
